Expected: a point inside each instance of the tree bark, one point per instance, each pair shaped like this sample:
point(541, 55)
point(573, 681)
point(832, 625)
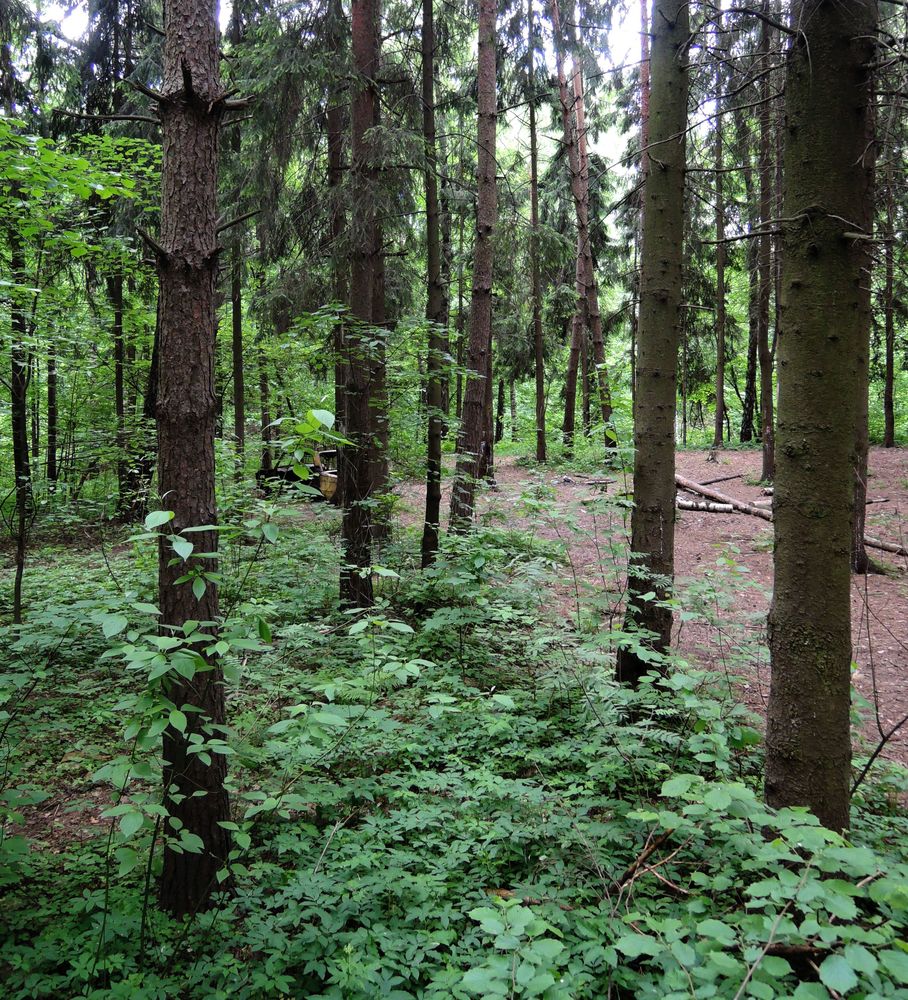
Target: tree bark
point(651, 565)
point(570, 380)
point(808, 744)
point(888, 314)
point(538, 339)
point(191, 108)
point(52, 413)
point(115, 294)
point(474, 442)
point(358, 467)
point(719, 160)
point(764, 266)
point(236, 293)
point(435, 295)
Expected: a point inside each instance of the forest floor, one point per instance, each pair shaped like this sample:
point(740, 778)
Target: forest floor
point(711, 547)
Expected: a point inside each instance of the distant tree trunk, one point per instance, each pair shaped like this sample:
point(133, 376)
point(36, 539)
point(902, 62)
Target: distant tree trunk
point(52, 414)
point(19, 414)
point(499, 413)
point(115, 294)
point(512, 394)
point(888, 315)
point(860, 560)
point(591, 290)
point(538, 339)
point(764, 351)
point(585, 385)
point(335, 123)
point(34, 381)
point(358, 464)
point(651, 566)
point(236, 293)
point(191, 107)
point(435, 302)
point(720, 245)
point(265, 403)
point(476, 406)
point(570, 380)
point(808, 742)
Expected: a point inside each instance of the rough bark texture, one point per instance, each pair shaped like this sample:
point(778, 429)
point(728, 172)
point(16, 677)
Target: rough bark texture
point(474, 442)
point(808, 745)
point(538, 340)
point(719, 161)
point(570, 379)
point(888, 315)
point(651, 566)
point(335, 124)
point(191, 109)
point(435, 302)
point(52, 415)
point(764, 266)
point(357, 466)
point(236, 294)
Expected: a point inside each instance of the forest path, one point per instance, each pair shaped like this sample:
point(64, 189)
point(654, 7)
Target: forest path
point(721, 559)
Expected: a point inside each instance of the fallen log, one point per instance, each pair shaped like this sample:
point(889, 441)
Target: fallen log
point(707, 505)
point(710, 494)
point(766, 515)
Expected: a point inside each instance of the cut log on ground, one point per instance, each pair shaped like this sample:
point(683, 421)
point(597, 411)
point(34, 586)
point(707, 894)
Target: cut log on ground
point(723, 479)
point(705, 505)
point(745, 508)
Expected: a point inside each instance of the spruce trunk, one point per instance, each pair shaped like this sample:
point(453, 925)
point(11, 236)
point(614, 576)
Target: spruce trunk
point(808, 744)
point(651, 565)
point(190, 107)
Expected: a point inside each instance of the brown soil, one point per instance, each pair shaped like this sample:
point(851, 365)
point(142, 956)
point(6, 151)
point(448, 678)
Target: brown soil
point(735, 551)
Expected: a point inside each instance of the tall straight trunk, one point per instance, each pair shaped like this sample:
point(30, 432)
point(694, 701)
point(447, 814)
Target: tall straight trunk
point(474, 442)
point(115, 293)
point(568, 426)
point(652, 562)
point(19, 414)
point(335, 123)
point(748, 403)
point(538, 340)
point(828, 183)
point(435, 295)
point(358, 464)
point(34, 381)
point(191, 105)
point(889, 314)
point(447, 251)
point(52, 413)
point(719, 161)
point(499, 413)
point(644, 89)
point(236, 293)
point(591, 290)
point(265, 405)
point(512, 396)
point(764, 266)
point(585, 418)
point(860, 560)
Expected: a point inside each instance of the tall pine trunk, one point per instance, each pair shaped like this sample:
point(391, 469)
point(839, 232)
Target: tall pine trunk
point(19, 372)
point(236, 293)
point(764, 265)
point(888, 314)
point(808, 743)
point(358, 460)
point(474, 441)
point(435, 303)
point(191, 106)
point(538, 341)
point(652, 561)
point(719, 161)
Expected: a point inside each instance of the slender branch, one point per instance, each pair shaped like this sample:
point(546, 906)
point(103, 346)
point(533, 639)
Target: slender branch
point(222, 226)
point(108, 118)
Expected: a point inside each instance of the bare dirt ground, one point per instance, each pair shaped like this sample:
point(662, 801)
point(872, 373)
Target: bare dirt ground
point(724, 560)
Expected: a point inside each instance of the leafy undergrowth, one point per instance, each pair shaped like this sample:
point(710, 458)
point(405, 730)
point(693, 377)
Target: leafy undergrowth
point(447, 798)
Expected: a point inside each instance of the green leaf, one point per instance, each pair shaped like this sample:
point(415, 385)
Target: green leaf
point(635, 945)
point(131, 823)
point(178, 720)
point(323, 417)
point(270, 531)
point(156, 518)
point(837, 974)
point(127, 858)
point(198, 587)
point(181, 546)
point(895, 963)
point(860, 959)
point(113, 624)
point(677, 785)
point(717, 931)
